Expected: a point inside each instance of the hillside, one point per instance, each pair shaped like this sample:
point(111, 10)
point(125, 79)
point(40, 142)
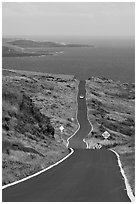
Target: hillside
point(111, 108)
point(34, 106)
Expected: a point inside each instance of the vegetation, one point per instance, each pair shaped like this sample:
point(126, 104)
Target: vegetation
point(111, 108)
point(34, 106)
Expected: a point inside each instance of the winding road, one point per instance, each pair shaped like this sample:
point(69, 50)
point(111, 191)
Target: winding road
point(85, 176)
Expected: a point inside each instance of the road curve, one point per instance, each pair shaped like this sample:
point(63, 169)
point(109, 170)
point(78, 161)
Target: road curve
point(85, 127)
point(86, 176)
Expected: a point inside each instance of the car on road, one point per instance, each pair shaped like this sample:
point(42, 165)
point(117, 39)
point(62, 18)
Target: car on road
point(81, 96)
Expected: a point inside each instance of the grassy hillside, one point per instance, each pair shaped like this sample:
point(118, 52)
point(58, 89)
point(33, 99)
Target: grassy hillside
point(34, 106)
point(111, 108)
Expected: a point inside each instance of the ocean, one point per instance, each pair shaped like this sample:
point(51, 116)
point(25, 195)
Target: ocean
point(109, 58)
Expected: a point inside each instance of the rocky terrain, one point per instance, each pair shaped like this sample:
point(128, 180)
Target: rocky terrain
point(34, 106)
point(111, 108)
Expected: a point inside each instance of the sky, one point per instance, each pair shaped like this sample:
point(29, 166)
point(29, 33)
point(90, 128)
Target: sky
point(68, 18)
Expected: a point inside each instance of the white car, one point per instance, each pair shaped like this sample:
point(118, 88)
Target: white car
point(81, 96)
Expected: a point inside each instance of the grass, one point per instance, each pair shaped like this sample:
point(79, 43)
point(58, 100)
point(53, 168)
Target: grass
point(34, 106)
point(111, 107)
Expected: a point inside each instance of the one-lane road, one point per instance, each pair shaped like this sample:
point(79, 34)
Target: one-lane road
point(86, 176)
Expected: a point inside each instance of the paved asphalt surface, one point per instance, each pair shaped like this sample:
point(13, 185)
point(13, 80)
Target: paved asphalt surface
point(85, 127)
point(86, 176)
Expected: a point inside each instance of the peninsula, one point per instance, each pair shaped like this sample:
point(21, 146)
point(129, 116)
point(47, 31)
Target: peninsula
point(36, 44)
point(31, 48)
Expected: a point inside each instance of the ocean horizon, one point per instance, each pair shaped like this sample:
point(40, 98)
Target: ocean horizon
point(112, 58)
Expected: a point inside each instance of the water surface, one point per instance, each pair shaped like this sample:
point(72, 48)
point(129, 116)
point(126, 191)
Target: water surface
point(113, 59)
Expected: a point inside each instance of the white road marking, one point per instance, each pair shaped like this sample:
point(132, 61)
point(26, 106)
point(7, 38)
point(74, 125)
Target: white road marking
point(88, 146)
point(36, 174)
point(128, 188)
point(77, 121)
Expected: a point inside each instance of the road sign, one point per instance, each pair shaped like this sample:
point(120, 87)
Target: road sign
point(106, 135)
point(61, 128)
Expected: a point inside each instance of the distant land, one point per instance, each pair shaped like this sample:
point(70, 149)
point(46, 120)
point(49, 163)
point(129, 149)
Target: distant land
point(28, 48)
point(36, 44)
point(13, 52)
